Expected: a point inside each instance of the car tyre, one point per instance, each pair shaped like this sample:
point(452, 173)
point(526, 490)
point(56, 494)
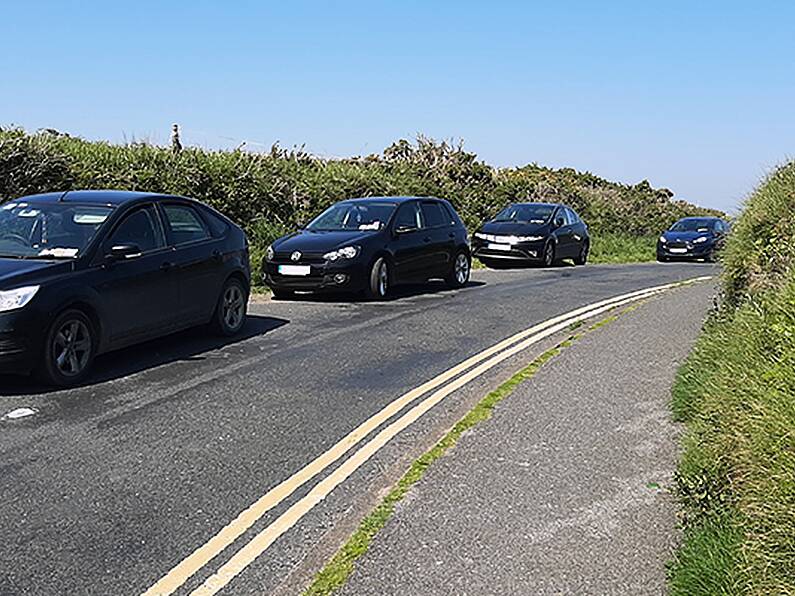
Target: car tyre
point(548, 258)
point(230, 313)
point(69, 349)
point(378, 283)
point(459, 271)
point(582, 258)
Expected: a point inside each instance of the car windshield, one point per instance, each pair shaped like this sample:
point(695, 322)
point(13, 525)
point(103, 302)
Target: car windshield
point(693, 225)
point(526, 213)
point(347, 216)
point(48, 230)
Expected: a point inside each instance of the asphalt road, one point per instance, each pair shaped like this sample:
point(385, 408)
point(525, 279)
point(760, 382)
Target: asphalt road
point(565, 490)
point(107, 487)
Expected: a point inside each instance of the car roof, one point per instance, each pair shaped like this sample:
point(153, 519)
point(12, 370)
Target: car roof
point(699, 217)
point(537, 203)
point(401, 199)
point(99, 197)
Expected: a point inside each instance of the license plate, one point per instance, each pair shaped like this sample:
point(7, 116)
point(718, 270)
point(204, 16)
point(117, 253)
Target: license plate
point(294, 269)
point(677, 250)
point(493, 246)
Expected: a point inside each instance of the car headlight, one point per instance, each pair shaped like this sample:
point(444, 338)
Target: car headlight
point(663, 239)
point(700, 239)
point(14, 299)
point(269, 253)
point(529, 238)
point(481, 236)
point(348, 252)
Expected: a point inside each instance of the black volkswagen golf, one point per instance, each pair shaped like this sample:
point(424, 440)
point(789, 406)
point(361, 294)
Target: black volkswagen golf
point(368, 245)
point(86, 272)
point(532, 232)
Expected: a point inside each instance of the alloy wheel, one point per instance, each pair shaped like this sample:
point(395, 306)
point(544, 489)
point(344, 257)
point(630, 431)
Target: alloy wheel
point(72, 347)
point(233, 307)
point(461, 269)
point(383, 280)
point(549, 255)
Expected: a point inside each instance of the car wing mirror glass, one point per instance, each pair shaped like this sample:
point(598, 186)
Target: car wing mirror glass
point(120, 252)
point(559, 222)
point(404, 229)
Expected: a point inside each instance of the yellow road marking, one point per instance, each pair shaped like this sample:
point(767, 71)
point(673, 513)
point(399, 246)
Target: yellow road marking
point(212, 548)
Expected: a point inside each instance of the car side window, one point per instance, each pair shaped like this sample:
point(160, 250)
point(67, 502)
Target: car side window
point(408, 217)
point(184, 224)
point(141, 228)
point(575, 219)
point(218, 227)
point(433, 215)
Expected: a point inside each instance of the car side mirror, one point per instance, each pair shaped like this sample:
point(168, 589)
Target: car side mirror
point(120, 252)
point(403, 230)
point(559, 222)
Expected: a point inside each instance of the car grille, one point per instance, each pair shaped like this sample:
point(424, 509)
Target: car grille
point(10, 346)
point(677, 245)
point(307, 258)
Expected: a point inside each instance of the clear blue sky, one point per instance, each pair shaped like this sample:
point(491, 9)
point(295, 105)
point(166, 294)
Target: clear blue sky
point(700, 99)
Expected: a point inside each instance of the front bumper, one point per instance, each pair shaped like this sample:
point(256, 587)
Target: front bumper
point(20, 342)
point(523, 251)
point(685, 251)
point(340, 276)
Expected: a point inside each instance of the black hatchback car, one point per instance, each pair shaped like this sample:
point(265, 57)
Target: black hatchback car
point(532, 233)
point(86, 272)
point(692, 238)
point(370, 244)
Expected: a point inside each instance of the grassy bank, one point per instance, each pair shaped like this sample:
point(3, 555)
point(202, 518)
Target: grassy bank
point(736, 393)
point(269, 193)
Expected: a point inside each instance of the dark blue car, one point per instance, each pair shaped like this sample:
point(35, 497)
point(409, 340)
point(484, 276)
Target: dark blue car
point(692, 238)
point(86, 272)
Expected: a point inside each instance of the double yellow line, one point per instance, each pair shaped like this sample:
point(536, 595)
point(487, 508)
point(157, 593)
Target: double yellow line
point(471, 369)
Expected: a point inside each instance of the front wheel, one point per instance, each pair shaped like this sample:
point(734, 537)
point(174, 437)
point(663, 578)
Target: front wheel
point(378, 282)
point(582, 258)
point(69, 349)
point(230, 313)
point(549, 255)
point(459, 273)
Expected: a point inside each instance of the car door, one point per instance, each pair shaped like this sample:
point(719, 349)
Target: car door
point(409, 247)
point(198, 259)
point(578, 233)
point(439, 236)
point(138, 294)
point(562, 234)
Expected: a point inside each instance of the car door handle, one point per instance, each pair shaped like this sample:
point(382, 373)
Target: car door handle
point(217, 255)
point(452, 234)
point(167, 266)
point(426, 239)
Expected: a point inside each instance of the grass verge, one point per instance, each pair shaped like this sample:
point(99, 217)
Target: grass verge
point(736, 478)
point(622, 248)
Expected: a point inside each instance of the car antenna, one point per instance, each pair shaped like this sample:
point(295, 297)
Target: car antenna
point(63, 196)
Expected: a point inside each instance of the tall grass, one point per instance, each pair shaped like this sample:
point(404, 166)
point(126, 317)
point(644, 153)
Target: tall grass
point(269, 193)
point(736, 392)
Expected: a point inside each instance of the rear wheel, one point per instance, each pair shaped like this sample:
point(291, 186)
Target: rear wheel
point(378, 282)
point(582, 258)
point(459, 273)
point(69, 349)
point(230, 314)
point(549, 255)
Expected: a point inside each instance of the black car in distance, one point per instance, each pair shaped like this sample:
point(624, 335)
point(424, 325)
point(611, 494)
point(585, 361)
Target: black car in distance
point(368, 245)
point(532, 233)
point(692, 238)
point(86, 272)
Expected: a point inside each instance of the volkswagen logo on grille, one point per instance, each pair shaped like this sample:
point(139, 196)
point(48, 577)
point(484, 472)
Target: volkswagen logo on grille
point(296, 256)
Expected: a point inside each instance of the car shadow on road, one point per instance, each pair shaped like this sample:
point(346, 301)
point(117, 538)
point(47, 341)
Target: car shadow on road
point(189, 345)
point(396, 293)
